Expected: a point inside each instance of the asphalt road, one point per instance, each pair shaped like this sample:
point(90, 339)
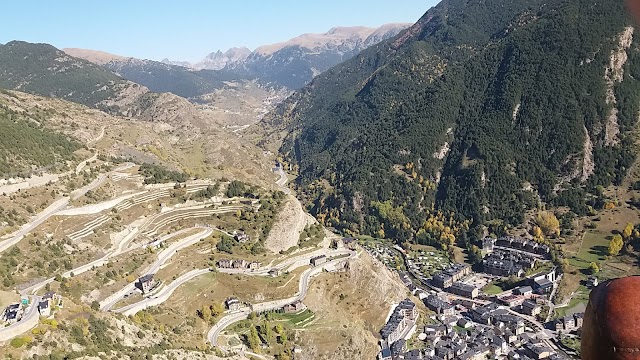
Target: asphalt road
point(283, 181)
point(39, 219)
point(169, 252)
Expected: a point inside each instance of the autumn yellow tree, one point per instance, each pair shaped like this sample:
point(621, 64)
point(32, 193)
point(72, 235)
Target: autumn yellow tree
point(616, 245)
point(627, 232)
point(205, 313)
point(217, 309)
point(537, 233)
point(548, 223)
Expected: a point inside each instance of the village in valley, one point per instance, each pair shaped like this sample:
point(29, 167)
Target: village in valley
point(500, 308)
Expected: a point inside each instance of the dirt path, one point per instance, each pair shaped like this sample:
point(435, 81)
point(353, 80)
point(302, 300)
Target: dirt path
point(290, 222)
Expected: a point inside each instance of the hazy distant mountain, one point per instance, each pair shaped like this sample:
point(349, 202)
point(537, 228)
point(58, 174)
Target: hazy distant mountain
point(291, 64)
point(176, 63)
point(163, 77)
point(296, 62)
point(219, 60)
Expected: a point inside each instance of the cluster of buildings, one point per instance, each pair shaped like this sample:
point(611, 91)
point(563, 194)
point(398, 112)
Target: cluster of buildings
point(570, 323)
point(447, 342)
point(493, 314)
point(517, 243)
point(446, 278)
point(402, 319)
point(14, 312)
point(238, 264)
point(471, 326)
point(233, 304)
point(507, 263)
point(517, 296)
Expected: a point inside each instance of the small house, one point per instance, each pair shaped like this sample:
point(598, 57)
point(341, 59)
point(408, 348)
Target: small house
point(241, 237)
point(275, 272)
point(44, 308)
point(385, 354)
point(11, 317)
point(294, 308)
point(318, 260)
point(464, 323)
point(49, 295)
point(531, 308)
point(542, 286)
point(145, 283)
point(349, 243)
point(233, 304)
point(523, 290)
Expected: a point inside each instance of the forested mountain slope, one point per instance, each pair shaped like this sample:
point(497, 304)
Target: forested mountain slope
point(476, 110)
point(27, 144)
point(44, 70)
point(160, 77)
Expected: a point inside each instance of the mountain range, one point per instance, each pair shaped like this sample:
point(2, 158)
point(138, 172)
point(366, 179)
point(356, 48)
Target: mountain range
point(476, 112)
point(291, 64)
point(482, 110)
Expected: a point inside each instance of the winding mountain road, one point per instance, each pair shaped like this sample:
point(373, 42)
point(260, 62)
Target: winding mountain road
point(283, 180)
point(163, 295)
point(164, 256)
point(303, 287)
point(54, 208)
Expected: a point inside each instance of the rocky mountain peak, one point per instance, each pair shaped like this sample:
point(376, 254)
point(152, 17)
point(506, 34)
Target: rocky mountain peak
point(219, 60)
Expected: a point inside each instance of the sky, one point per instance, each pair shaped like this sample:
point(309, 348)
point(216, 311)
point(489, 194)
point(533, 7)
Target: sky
point(189, 30)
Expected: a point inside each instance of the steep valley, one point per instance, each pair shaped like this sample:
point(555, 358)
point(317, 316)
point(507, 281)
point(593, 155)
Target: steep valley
point(450, 189)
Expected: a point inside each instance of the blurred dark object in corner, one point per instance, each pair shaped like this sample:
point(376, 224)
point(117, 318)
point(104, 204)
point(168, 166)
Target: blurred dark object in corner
point(611, 328)
point(634, 8)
